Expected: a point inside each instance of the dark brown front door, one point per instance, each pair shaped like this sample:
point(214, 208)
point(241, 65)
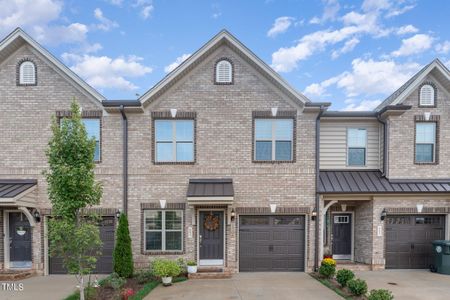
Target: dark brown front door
point(211, 235)
point(342, 236)
point(409, 238)
point(271, 243)
point(104, 261)
point(20, 240)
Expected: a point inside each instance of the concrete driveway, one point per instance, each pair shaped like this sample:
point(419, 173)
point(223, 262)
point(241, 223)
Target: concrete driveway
point(409, 284)
point(53, 287)
point(247, 286)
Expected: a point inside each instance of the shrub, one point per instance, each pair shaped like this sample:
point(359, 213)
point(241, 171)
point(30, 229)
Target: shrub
point(358, 287)
point(113, 281)
point(182, 264)
point(344, 276)
point(380, 295)
point(144, 276)
point(327, 268)
point(191, 263)
point(122, 256)
point(166, 268)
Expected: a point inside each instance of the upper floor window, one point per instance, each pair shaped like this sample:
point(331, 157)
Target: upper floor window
point(224, 72)
point(356, 146)
point(163, 230)
point(426, 95)
point(27, 73)
point(274, 139)
point(174, 140)
point(93, 131)
point(425, 142)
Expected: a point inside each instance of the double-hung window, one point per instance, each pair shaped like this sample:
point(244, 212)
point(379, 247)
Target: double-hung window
point(425, 142)
point(274, 139)
point(356, 147)
point(163, 230)
point(93, 131)
point(174, 140)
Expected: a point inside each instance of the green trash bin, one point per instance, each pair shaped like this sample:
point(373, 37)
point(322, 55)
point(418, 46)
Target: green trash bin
point(441, 250)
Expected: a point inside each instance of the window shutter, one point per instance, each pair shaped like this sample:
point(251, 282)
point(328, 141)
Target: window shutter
point(224, 72)
point(427, 95)
point(27, 73)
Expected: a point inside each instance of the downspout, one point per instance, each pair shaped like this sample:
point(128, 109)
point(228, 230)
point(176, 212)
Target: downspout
point(317, 228)
point(385, 145)
point(125, 158)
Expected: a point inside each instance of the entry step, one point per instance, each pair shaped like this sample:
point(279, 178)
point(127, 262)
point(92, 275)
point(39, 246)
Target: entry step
point(211, 273)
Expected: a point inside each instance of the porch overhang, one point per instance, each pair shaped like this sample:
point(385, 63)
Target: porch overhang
point(18, 192)
point(210, 192)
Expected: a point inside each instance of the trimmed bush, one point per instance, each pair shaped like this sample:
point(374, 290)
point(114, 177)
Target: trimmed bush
point(380, 295)
point(357, 287)
point(144, 276)
point(123, 256)
point(191, 263)
point(166, 268)
point(327, 268)
point(344, 276)
point(113, 281)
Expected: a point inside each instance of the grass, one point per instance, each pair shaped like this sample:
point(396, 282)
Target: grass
point(327, 283)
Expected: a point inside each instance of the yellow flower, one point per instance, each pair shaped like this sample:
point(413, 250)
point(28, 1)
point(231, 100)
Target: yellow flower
point(329, 262)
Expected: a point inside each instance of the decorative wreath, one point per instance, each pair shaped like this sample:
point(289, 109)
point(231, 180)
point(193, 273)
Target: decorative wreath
point(211, 222)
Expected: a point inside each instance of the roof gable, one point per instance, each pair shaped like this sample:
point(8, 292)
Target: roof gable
point(223, 37)
point(406, 89)
point(18, 38)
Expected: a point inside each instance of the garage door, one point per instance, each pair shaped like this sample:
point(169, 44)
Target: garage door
point(408, 240)
point(104, 262)
point(271, 243)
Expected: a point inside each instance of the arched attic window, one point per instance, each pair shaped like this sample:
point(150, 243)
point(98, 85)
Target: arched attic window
point(224, 72)
point(27, 73)
point(427, 95)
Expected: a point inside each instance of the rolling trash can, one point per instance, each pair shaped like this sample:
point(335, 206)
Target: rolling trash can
point(441, 250)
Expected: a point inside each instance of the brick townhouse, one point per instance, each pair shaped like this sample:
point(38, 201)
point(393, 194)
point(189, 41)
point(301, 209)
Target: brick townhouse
point(217, 163)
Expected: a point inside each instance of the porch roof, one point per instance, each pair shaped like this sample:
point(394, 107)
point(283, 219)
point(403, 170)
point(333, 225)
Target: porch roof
point(10, 188)
point(210, 191)
point(371, 182)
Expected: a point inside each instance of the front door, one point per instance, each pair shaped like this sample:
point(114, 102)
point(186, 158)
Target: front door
point(211, 237)
point(19, 241)
point(342, 236)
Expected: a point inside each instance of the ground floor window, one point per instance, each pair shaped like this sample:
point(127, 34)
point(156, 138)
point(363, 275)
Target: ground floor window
point(163, 230)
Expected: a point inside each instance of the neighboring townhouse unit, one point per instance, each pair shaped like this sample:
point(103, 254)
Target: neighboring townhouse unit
point(217, 163)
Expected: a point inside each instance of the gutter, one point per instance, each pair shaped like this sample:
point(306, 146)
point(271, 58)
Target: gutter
point(125, 158)
point(317, 150)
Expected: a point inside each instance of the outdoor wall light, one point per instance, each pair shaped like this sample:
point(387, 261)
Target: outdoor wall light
point(37, 216)
point(118, 212)
point(232, 214)
point(383, 214)
point(314, 214)
point(162, 203)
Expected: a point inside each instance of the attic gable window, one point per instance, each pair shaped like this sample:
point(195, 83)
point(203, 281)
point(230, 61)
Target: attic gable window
point(224, 72)
point(427, 95)
point(27, 73)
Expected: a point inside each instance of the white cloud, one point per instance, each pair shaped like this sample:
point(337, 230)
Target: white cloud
point(216, 15)
point(176, 63)
point(280, 25)
point(146, 11)
point(374, 5)
point(315, 89)
point(364, 105)
point(413, 45)
point(105, 23)
point(443, 48)
point(406, 29)
point(348, 46)
point(146, 8)
point(399, 11)
point(55, 35)
point(330, 11)
point(105, 72)
point(116, 2)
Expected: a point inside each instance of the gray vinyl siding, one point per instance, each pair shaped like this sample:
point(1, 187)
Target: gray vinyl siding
point(333, 143)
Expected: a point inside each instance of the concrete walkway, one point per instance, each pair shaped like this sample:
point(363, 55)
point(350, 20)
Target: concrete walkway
point(409, 284)
point(247, 286)
point(53, 287)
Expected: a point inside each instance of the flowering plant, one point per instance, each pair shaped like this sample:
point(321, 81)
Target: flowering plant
point(329, 262)
point(127, 293)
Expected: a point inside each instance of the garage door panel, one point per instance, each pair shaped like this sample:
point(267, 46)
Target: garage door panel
point(282, 249)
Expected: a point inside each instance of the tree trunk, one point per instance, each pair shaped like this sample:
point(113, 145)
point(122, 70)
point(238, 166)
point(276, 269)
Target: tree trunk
point(82, 288)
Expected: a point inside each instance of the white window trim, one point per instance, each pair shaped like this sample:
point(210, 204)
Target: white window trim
point(432, 95)
point(348, 147)
point(230, 71)
point(174, 142)
point(163, 230)
point(21, 73)
point(418, 143)
point(274, 140)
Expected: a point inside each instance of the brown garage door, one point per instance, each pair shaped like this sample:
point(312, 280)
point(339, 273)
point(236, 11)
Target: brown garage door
point(408, 240)
point(271, 243)
point(104, 262)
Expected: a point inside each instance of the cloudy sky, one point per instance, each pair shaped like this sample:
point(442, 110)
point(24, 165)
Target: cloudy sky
point(352, 53)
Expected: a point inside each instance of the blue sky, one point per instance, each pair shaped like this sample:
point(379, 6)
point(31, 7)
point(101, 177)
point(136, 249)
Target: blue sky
point(352, 53)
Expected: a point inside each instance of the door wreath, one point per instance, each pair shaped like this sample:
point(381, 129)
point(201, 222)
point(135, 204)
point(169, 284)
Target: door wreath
point(211, 222)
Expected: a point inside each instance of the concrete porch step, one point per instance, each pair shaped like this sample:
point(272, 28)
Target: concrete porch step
point(211, 273)
point(352, 266)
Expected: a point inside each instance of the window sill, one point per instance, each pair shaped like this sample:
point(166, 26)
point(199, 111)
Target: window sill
point(174, 162)
point(147, 252)
point(273, 161)
point(426, 163)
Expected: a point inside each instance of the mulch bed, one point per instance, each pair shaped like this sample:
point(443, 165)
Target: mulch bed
point(334, 285)
point(109, 293)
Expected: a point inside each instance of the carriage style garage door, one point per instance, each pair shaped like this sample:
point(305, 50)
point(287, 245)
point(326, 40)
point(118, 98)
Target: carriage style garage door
point(104, 262)
point(271, 243)
point(408, 240)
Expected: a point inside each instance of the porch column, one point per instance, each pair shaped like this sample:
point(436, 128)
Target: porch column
point(324, 210)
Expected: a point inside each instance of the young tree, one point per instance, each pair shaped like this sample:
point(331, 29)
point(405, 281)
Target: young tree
point(72, 188)
point(122, 256)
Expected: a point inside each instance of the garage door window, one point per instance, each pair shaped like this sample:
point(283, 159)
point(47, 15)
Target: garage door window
point(163, 230)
